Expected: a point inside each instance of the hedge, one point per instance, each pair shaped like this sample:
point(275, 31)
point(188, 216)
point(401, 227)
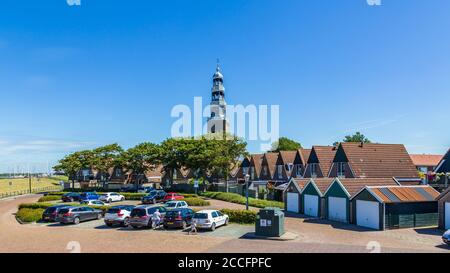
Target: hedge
point(239, 199)
point(49, 198)
point(36, 205)
point(241, 216)
point(28, 215)
point(197, 202)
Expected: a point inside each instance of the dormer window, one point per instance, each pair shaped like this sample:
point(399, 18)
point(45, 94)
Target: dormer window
point(341, 169)
point(280, 171)
point(313, 169)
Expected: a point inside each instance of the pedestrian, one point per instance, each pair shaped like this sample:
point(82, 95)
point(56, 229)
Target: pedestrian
point(156, 219)
point(193, 229)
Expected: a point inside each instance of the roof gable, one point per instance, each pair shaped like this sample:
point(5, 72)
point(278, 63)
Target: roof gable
point(444, 165)
point(373, 160)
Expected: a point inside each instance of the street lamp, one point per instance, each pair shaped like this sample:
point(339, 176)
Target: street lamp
point(247, 178)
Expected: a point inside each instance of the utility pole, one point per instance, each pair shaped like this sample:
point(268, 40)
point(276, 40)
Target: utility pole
point(29, 177)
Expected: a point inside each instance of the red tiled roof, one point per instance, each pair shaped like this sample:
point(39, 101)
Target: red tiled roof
point(354, 185)
point(373, 160)
point(325, 155)
point(271, 159)
point(426, 160)
point(288, 156)
point(257, 160)
point(304, 154)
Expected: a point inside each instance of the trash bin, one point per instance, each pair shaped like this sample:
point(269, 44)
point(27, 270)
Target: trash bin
point(270, 222)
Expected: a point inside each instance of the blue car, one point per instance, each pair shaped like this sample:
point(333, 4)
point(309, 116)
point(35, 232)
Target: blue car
point(86, 196)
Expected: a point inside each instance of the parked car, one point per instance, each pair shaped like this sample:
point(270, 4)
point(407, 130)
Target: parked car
point(93, 203)
point(75, 215)
point(141, 216)
point(50, 214)
point(71, 197)
point(154, 197)
point(111, 197)
point(210, 219)
point(172, 196)
point(89, 196)
point(176, 204)
point(446, 237)
point(178, 218)
point(118, 215)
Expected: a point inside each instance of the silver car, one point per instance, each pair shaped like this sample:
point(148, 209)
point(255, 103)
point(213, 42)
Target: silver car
point(141, 216)
point(75, 215)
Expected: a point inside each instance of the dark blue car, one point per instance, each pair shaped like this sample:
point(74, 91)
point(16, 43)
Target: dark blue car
point(86, 196)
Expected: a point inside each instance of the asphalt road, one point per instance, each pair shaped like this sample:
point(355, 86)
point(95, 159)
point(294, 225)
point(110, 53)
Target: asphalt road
point(314, 236)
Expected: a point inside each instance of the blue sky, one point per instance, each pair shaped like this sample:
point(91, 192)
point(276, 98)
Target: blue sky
point(111, 71)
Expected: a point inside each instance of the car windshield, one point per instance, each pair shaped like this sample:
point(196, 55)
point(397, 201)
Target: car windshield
point(171, 205)
point(137, 212)
point(201, 216)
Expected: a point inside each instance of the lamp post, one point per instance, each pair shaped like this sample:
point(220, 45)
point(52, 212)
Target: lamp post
point(247, 178)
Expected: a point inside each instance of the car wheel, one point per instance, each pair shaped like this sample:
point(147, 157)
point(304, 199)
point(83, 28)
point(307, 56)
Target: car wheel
point(184, 225)
point(154, 201)
point(166, 226)
point(76, 221)
point(226, 221)
point(213, 227)
point(109, 201)
point(71, 200)
point(122, 198)
point(99, 216)
point(109, 225)
point(135, 227)
point(126, 222)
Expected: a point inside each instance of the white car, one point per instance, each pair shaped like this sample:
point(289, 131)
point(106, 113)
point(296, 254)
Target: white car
point(176, 205)
point(210, 219)
point(118, 215)
point(111, 197)
point(93, 203)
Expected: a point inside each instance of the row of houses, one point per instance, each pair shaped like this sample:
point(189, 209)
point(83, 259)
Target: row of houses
point(346, 160)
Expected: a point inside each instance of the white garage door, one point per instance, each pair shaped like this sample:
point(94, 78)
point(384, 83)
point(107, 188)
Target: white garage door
point(337, 209)
point(367, 214)
point(311, 205)
point(292, 202)
point(447, 215)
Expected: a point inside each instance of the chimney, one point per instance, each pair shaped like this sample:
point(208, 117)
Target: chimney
point(361, 144)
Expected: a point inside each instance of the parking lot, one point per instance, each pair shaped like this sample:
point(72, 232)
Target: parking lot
point(313, 236)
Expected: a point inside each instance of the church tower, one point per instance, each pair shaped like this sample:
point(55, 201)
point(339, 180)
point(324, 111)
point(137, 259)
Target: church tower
point(217, 122)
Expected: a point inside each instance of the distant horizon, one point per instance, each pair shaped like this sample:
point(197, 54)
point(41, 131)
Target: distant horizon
point(70, 81)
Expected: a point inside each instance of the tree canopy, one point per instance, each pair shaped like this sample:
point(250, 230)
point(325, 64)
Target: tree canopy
point(285, 144)
point(357, 137)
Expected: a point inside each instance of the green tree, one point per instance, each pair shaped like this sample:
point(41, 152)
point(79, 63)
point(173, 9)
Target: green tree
point(357, 137)
point(141, 158)
point(285, 144)
point(106, 157)
point(73, 163)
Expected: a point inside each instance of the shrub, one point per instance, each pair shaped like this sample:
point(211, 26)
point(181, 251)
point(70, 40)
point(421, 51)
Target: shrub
point(49, 198)
point(28, 215)
point(238, 199)
point(195, 201)
point(35, 205)
point(132, 196)
point(241, 216)
point(189, 195)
